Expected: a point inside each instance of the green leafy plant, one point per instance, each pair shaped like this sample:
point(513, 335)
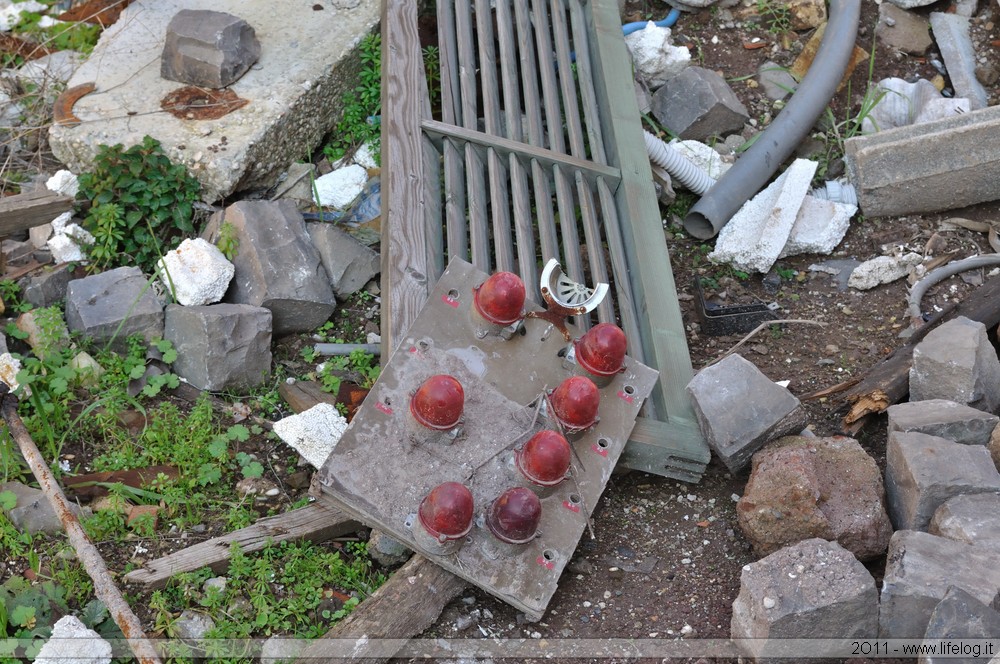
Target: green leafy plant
point(776, 15)
point(362, 106)
point(150, 201)
point(62, 36)
point(10, 293)
point(432, 72)
point(228, 241)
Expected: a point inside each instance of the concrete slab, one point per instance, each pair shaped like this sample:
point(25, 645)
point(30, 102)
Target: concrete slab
point(971, 518)
point(945, 419)
point(951, 32)
point(294, 91)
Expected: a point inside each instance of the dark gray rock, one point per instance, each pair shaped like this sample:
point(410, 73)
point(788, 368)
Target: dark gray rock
point(951, 33)
point(349, 263)
point(387, 551)
point(277, 266)
point(114, 305)
point(220, 346)
point(957, 616)
point(33, 513)
point(47, 286)
point(16, 252)
point(192, 626)
point(919, 570)
point(902, 30)
point(945, 419)
point(969, 518)
point(207, 48)
point(922, 472)
point(775, 80)
point(813, 589)
point(740, 409)
point(698, 103)
point(957, 362)
point(804, 487)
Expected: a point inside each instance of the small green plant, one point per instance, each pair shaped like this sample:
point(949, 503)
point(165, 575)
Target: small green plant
point(228, 241)
point(10, 294)
point(81, 37)
point(776, 15)
point(362, 106)
point(432, 72)
point(151, 204)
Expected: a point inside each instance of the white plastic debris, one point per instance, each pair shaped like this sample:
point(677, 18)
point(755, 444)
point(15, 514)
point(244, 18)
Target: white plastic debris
point(882, 270)
point(702, 156)
point(901, 103)
point(313, 433)
point(195, 272)
point(9, 368)
point(64, 249)
point(64, 182)
point(339, 188)
point(365, 156)
point(656, 59)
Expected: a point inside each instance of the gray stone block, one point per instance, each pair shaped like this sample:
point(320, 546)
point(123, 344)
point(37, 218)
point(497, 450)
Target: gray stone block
point(902, 30)
point(46, 287)
point(775, 80)
point(740, 409)
point(114, 305)
point(209, 49)
point(220, 346)
point(919, 570)
point(893, 176)
point(804, 487)
point(945, 419)
point(33, 513)
point(698, 103)
point(349, 263)
point(957, 362)
point(960, 616)
point(969, 518)
point(922, 472)
point(813, 589)
point(16, 252)
point(386, 551)
point(951, 32)
point(277, 266)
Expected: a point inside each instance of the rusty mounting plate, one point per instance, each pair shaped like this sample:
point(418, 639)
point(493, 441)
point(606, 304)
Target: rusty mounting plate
point(383, 465)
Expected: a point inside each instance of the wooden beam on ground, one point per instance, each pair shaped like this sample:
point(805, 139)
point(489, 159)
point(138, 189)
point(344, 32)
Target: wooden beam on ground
point(887, 382)
point(24, 211)
point(405, 605)
point(314, 523)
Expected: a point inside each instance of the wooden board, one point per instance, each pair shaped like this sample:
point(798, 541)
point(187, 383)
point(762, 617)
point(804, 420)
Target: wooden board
point(24, 211)
point(313, 523)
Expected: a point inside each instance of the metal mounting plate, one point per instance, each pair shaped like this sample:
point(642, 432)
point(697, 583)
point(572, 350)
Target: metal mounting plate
point(383, 465)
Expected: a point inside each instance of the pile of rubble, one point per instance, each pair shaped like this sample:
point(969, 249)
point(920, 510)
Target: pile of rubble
point(816, 508)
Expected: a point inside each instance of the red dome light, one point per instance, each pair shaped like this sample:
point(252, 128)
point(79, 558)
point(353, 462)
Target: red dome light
point(438, 402)
point(500, 299)
point(514, 516)
point(602, 350)
point(446, 512)
point(544, 459)
point(575, 403)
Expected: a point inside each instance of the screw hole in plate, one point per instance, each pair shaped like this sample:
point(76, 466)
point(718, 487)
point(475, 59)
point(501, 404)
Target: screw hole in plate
point(628, 389)
point(574, 498)
point(453, 294)
point(549, 555)
point(603, 443)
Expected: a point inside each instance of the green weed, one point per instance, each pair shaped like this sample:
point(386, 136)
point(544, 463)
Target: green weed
point(362, 106)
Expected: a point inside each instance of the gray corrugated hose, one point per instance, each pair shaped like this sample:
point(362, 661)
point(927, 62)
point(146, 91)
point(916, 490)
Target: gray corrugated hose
point(776, 143)
point(680, 167)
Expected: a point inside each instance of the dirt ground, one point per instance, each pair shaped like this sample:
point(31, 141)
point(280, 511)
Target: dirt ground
point(667, 556)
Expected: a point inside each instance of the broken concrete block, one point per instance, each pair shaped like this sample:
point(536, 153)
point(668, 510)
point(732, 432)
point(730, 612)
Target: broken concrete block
point(970, 518)
point(804, 487)
point(112, 306)
point(901, 103)
point(901, 30)
point(47, 286)
point(222, 346)
point(960, 616)
point(882, 270)
point(956, 361)
point(72, 642)
point(349, 263)
point(313, 433)
point(339, 188)
point(656, 59)
point(740, 409)
point(63, 182)
point(698, 103)
point(15, 252)
point(196, 272)
point(951, 33)
point(775, 80)
point(922, 472)
point(277, 266)
point(893, 176)
point(819, 227)
point(945, 419)
point(919, 570)
point(33, 513)
point(754, 237)
point(813, 589)
point(209, 49)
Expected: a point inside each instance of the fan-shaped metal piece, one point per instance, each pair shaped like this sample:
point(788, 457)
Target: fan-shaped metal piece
point(568, 293)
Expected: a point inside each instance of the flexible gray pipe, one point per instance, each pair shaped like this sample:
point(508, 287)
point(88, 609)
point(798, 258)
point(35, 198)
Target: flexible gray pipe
point(680, 167)
point(707, 217)
point(940, 274)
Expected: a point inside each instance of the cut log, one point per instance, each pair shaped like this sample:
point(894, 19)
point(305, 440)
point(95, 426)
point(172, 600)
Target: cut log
point(888, 382)
point(407, 604)
point(314, 523)
point(24, 211)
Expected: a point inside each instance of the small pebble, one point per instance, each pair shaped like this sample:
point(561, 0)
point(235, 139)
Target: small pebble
point(769, 603)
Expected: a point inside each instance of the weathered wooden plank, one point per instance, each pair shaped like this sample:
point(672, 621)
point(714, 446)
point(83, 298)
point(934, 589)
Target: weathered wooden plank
point(313, 522)
point(624, 299)
point(405, 270)
point(547, 71)
point(560, 32)
point(595, 248)
point(585, 77)
point(660, 448)
point(451, 113)
point(407, 604)
point(34, 208)
point(565, 203)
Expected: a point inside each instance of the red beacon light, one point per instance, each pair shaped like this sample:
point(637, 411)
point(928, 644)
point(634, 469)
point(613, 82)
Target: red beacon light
point(575, 403)
point(438, 403)
point(444, 518)
point(513, 517)
point(544, 459)
point(499, 305)
point(601, 351)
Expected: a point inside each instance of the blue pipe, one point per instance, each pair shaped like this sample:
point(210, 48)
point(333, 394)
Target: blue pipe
point(671, 18)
